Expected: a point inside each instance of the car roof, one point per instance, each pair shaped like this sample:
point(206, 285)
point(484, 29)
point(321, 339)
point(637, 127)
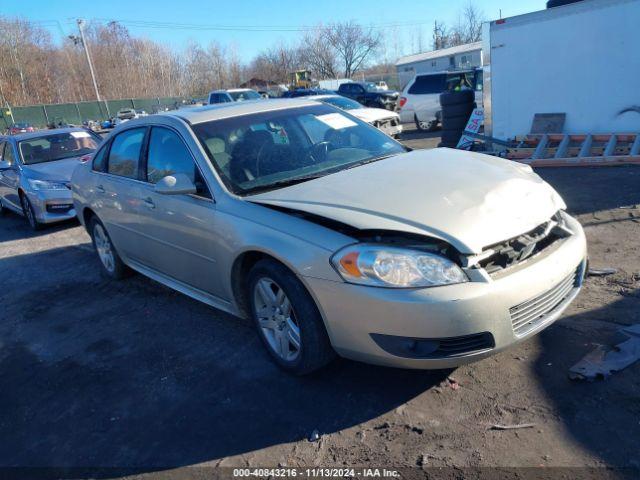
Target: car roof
point(322, 96)
point(43, 133)
point(219, 111)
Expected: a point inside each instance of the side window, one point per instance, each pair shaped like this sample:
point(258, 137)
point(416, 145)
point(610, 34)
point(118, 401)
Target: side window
point(168, 155)
point(99, 159)
point(125, 153)
point(8, 155)
point(2, 144)
point(425, 84)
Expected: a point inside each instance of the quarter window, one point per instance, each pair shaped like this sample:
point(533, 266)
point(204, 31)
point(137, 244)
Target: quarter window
point(169, 155)
point(125, 153)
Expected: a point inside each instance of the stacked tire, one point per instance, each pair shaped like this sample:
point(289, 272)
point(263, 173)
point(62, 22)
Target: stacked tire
point(456, 110)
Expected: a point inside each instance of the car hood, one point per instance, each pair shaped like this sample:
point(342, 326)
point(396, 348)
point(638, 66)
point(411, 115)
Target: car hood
point(372, 114)
point(467, 199)
point(58, 170)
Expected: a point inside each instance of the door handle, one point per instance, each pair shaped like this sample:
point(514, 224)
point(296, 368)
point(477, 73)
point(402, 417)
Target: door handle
point(149, 203)
point(100, 188)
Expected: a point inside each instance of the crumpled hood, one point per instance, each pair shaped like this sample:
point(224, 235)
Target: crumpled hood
point(372, 114)
point(467, 199)
point(58, 170)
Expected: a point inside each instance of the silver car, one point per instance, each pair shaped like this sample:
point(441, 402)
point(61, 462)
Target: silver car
point(332, 236)
point(35, 171)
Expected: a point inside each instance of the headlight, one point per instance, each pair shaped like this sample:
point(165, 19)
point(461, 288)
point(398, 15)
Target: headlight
point(46, 185)
point(383, 266)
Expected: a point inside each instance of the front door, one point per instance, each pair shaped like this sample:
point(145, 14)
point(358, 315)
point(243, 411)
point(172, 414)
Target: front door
point(182, 228)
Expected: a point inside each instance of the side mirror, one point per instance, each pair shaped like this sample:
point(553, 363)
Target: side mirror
point(176, 184)
point(4, 165)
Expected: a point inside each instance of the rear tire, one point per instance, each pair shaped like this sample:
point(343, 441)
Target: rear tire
point(112, 264)
point(425, 126)
point(287, 319)
point(29, 213)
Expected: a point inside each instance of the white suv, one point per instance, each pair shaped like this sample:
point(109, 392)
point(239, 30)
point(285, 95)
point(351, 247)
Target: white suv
point(420, 100)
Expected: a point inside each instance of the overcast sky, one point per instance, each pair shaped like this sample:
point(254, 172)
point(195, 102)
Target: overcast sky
point(236, 23)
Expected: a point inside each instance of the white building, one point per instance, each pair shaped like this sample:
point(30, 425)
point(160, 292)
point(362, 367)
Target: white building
point(453, 58)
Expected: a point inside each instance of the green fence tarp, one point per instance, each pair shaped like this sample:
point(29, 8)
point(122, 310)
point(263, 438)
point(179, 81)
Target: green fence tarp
point(76, 113)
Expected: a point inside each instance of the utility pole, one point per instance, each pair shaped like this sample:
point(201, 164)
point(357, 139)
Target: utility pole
point(86, 51)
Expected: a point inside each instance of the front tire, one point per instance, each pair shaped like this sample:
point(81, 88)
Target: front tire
point(112, 264)
point(29, 213)
point(287, 319)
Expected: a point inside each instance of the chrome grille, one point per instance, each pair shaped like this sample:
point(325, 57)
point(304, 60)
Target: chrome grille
point(529, 314)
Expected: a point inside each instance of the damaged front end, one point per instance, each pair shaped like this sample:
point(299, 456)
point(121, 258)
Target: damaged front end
point(493, 262)
point(496, 259)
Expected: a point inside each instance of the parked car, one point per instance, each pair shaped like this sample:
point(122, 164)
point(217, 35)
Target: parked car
point(35, 170)
point(420, 100)
point(331, 236)
point(126, 114)
point(306, 92)
point(368, 95)
point(20, 127)
point(233, 95)
point(388, 122)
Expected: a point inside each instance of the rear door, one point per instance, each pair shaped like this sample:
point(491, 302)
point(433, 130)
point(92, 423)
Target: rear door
point(10, 178)
point(424, 95)
point(118, 194)
point(181, 230)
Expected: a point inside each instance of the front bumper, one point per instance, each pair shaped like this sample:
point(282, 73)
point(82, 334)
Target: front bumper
point(392, 130)
point(52, 206)
point(357, 317)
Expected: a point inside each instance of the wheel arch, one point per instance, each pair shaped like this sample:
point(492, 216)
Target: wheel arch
point(87, 215)
point(240, 269)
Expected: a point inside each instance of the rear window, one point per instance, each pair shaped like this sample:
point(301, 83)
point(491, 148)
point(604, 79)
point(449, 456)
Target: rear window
point(426, 84)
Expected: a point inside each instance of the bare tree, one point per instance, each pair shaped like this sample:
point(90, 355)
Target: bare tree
point(353, 45)
point(468, 29)
point(317, 54)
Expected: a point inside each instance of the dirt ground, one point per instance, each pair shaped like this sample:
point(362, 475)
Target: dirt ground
point(135, 377)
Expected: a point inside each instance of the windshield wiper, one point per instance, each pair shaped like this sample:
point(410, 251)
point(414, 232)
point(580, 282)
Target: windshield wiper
point(370, 160)
point(283, 183)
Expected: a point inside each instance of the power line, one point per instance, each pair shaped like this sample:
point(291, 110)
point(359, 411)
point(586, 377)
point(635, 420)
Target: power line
point(241, 28)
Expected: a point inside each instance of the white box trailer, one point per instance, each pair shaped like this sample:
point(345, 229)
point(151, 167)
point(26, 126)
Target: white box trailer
point(581, 59)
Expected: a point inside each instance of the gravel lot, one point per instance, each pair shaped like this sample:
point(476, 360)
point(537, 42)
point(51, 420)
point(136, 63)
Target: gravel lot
point(95, 373)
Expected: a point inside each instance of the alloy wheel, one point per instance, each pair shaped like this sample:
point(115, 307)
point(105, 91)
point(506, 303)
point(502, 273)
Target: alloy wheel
point(28, 211)
point(104, 247)
point(277, 319)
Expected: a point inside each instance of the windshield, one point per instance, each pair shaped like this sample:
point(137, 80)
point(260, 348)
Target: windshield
point(269, 150)
point(57, 146)
point(370, 87)
point(342, 102)
point(245, 95)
